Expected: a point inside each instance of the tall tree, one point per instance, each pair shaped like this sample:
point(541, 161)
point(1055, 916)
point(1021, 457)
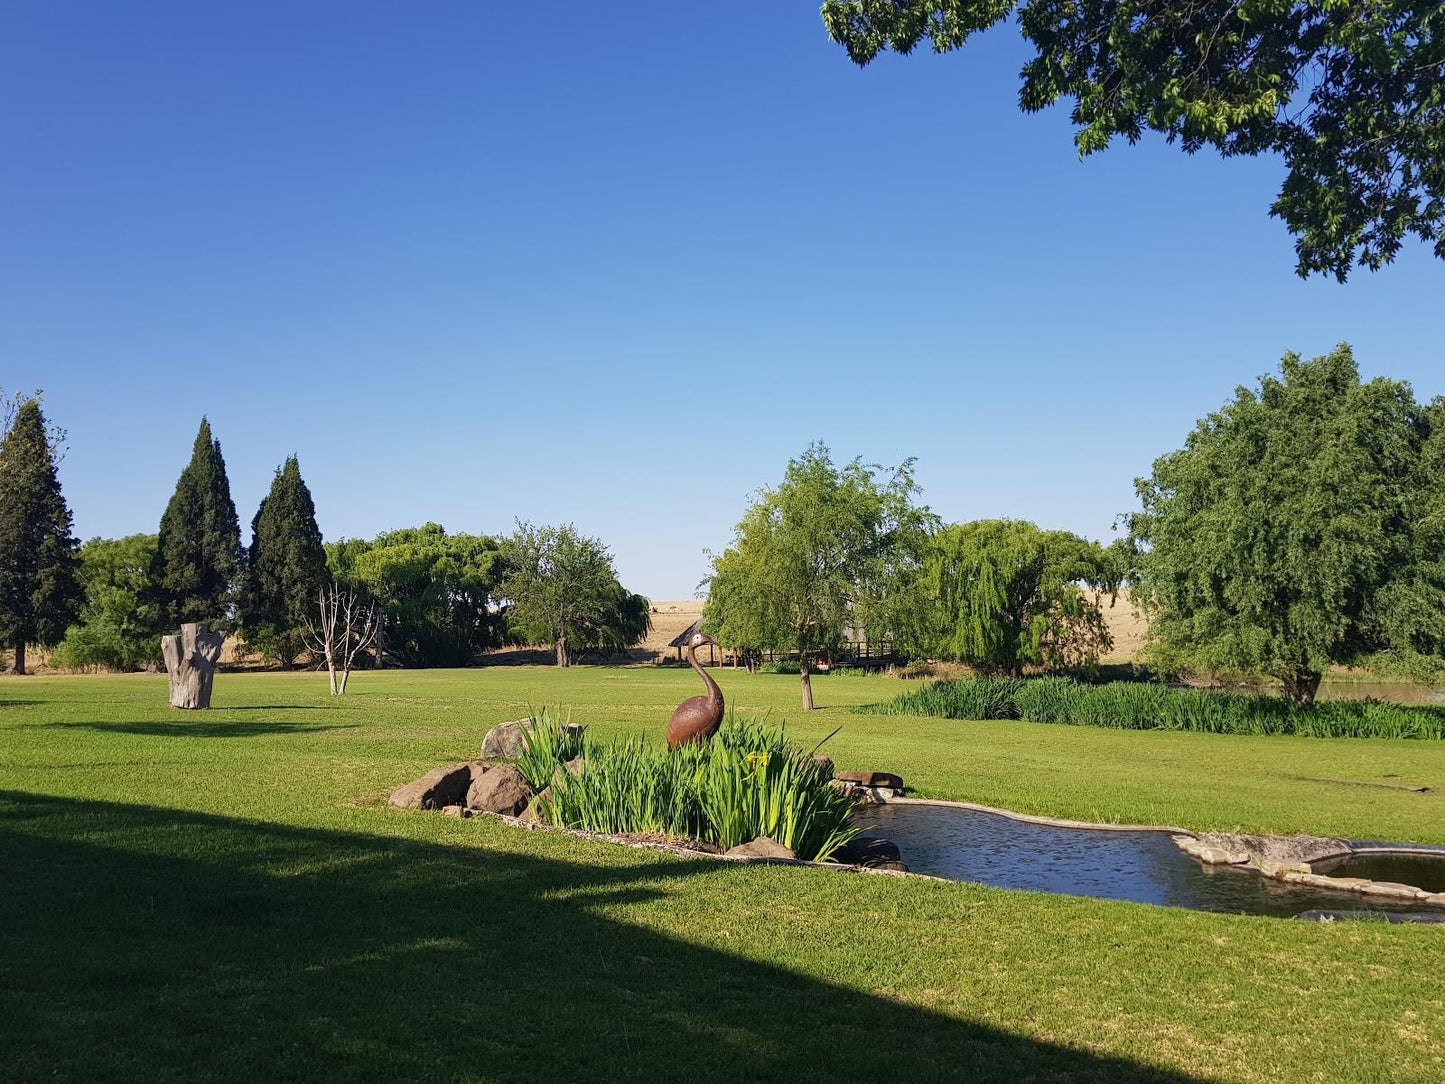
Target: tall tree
point(1005, 595)
point(116, 629)
point(828, 550)
point(564, 592)
point(199, 559)
point(1350, 95)
point(285, 570)
point(437, 592)
point(40, 593)
point(1286, 535)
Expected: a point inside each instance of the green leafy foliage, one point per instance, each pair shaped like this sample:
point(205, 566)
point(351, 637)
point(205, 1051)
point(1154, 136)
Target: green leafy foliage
point(547, 745)
point(748, 781)
point(1295, 529)
point(1126, 705)
point(829, 549)
point(40, 593)
point(1004, 595)
point(199, 559)
point(437, 591)
point(286, 568)
point(563, 591)
point(116, 630)
point(1350, 95)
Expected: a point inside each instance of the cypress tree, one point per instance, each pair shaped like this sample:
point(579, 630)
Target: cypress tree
point(198, 551)
point(286, 567)
point(40, 592)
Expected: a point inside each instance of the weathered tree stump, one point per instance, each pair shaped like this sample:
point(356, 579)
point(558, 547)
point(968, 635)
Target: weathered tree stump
point(191, 664)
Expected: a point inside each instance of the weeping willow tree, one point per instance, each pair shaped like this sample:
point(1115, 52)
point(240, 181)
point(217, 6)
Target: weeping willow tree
point(1005, 595)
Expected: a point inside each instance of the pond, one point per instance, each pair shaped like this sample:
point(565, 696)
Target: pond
point(1143, 867)
point(1389, 692)
point(1425, 871)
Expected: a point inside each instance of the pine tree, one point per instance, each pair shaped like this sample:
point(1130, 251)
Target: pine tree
point(40, 593)
point(286, 569)
point(198, 552)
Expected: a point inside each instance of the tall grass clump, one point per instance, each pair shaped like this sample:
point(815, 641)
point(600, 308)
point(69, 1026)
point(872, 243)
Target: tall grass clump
point(1142, 706)
point(975, 699)
point(748, 781)
point(547, 743)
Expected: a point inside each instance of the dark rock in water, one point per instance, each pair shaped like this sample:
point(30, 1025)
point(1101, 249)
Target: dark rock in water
point(501, 790)
point(867, 851)
point(439, 787)
point(762, 847)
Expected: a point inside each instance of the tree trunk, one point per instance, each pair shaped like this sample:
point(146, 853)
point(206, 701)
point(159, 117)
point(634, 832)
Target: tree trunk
point(562, 651)
point(20, 657)
point(807, 682)
point(191, 664)
point(1301, 686)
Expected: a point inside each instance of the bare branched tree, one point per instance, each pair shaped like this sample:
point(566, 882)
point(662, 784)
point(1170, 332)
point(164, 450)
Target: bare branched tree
point(348, 626)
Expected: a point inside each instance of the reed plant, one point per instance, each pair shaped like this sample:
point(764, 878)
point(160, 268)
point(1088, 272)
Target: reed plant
point(1145, 706)
point(547, 742)
point(748, 781)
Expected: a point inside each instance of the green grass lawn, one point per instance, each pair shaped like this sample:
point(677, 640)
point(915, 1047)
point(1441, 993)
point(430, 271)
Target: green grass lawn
point(226, 895)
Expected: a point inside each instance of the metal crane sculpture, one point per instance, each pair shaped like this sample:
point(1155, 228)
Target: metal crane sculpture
point(698, 717)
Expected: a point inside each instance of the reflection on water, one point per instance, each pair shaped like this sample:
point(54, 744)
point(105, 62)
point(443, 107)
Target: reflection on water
point(1145, 867)
point(1425, 871)
point(1390, 692)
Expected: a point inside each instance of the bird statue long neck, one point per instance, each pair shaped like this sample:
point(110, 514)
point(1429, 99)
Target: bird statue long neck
point(714, 694)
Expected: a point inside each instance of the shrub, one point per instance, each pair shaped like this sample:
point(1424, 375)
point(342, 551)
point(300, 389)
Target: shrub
point(781, 666)
point(1141, 706)
point(747, 782)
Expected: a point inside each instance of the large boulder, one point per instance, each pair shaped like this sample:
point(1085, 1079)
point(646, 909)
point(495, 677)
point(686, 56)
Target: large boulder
point(501, 789)
point(438, 788)
point(530, 816)
point(762, 847)
point(504, 741)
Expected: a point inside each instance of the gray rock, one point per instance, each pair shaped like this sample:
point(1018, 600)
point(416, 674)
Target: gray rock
point(458, 811)
point(762, 847)
point(1392, 890)
point(1274, 855)
point(824, 764)
point(531, 815)
point(504, 741)
point(1213, 848)
point(873, 779)
point(439, 787)
point(500, 790)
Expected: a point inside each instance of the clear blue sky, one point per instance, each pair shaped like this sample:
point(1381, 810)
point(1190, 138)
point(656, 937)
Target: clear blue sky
point(615, 263)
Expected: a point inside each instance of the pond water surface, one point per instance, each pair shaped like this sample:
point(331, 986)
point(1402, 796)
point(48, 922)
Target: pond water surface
point(1144, 867)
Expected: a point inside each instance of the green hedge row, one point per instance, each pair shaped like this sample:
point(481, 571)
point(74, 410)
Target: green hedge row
point(1138, 706)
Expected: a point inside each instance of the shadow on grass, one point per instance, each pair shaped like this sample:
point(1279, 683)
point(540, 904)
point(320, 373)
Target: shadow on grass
point(271, 707)
point(182, 946)
point(202, 727)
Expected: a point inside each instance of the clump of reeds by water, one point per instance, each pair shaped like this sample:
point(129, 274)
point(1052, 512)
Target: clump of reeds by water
point(1145, 706)
point(748, 781)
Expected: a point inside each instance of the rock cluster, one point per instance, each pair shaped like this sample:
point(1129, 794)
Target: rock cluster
point(871, 786)
point(463, 789)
